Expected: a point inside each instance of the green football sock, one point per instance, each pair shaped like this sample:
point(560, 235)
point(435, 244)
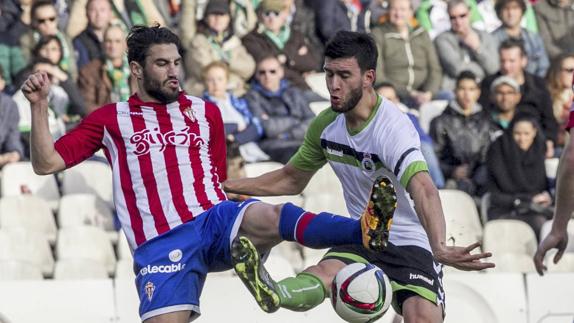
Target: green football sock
point(301, 293)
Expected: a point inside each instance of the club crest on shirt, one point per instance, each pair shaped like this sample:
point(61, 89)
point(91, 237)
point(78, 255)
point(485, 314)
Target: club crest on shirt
point(367, 163)
point(188, 112)
point(149, 289)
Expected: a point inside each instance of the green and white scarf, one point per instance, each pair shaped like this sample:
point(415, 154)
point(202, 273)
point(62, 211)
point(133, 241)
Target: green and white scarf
point(120, 80)
point(279, 39)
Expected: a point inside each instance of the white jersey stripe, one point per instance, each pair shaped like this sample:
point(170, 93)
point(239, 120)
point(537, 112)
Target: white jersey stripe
point(119, 198)
point(184, 165)
point(160, 173)
point(204, 131)
point(125, 125)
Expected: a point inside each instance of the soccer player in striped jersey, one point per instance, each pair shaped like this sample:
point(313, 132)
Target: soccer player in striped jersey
point(365, 137)
point(167, 154)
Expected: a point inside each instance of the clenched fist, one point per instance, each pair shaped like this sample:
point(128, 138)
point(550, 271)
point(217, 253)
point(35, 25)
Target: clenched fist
point(37, 87)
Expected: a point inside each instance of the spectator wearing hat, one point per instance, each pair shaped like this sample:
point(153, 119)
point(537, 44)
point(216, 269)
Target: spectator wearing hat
point(505, 96)
point(535, 100)
point(215, 41)
point(274, 36)
point(510, 12)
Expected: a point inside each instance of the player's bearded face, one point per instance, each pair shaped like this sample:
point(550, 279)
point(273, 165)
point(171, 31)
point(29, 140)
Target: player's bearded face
point(350, 101)
point(160, 89)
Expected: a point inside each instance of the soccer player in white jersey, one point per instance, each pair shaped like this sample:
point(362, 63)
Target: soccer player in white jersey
point(167, 154)
point(363, 137)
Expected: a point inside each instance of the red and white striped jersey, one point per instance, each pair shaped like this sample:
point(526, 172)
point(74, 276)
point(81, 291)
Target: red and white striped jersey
point(168, 161)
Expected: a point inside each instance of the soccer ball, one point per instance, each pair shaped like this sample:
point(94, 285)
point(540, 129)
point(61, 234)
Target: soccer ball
point(361, 293)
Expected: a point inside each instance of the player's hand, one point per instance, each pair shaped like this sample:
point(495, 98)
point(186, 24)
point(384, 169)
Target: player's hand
point(557, 240)
point(37, 87)
point(461, 258)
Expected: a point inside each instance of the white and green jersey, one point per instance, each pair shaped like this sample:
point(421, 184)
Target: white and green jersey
point(387, 144)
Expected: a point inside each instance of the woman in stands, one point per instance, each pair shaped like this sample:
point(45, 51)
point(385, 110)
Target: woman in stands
point(518, 183)
point(559, 80)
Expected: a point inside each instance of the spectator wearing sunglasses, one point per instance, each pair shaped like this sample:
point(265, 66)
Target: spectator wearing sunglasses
point(282, 108)
point(45, 24)
point(273, 36)
point(464, 47)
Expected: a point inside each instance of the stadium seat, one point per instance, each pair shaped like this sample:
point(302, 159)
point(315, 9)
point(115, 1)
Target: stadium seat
point(429, 111)
point(91, 177)
point(551, 165)
point(27, 247)
point(30, 213)
point(316, 82)
point(86, 243)
point(462, 220)
point(547, 226)
point(86, 209)
point(125, 269)
point(87, 301)
point(127, 301)
point(324, 193)
point(565, 265)
point(19, 178)
point(256, 169)
point(509, 236)
point(77, 269)
point(19, 270)
point(279, 267)
point(550, 297)
point(292, 252)
point(507, 262)
point(479, 298)
point(124, 250)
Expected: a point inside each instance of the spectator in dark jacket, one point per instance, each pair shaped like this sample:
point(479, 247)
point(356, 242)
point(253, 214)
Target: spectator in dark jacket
point(273, 36)
point(517, 176)
point(281, 107)
point(335, 15)
point(89, 43)
point(536, 99)
point(461, 135)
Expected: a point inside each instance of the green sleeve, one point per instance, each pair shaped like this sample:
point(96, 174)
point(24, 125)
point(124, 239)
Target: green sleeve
point(412, 169)
point(310, 156)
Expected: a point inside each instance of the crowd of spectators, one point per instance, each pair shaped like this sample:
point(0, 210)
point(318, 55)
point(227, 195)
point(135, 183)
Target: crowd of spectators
point(504, 66)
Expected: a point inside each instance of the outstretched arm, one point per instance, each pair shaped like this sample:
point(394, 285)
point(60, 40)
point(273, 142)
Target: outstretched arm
point(558, 236)
point(45, 159)
point(429, 210)
point(287, 180)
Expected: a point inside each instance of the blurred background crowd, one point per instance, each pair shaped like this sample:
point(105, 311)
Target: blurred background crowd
point(487, 83)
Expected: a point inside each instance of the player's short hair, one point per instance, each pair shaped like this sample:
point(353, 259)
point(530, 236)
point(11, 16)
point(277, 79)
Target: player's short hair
point(347, 44)
point(141, 38)
point(512, 43)
point(466, 75)
point(501, 4)
point(212, 65)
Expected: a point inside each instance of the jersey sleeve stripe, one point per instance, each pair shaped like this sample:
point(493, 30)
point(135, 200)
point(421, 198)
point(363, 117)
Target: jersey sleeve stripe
point(412, 169)
point(402, 159)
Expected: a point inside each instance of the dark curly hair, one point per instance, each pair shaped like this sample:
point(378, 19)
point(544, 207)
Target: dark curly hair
point(141, 38)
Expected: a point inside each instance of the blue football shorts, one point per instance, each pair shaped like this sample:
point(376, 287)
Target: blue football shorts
point(171, 268)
